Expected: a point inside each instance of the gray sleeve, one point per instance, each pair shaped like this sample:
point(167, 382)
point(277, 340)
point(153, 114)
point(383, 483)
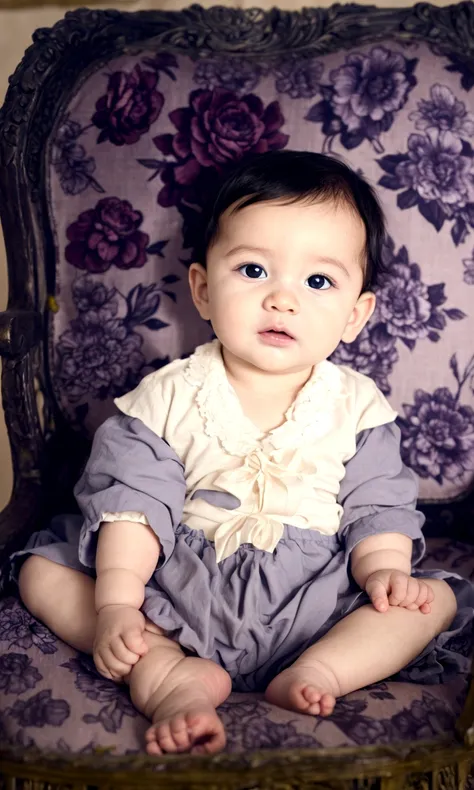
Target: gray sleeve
point(379, 493)
point(130, 468)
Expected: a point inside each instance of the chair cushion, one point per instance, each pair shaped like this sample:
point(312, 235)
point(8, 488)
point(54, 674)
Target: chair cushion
point(52, 697)
point(143, 139)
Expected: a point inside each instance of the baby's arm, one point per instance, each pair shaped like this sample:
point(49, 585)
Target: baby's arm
point(127, 555)
point(381, 565)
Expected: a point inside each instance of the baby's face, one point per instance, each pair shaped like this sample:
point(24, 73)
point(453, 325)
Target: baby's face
point(283, 283)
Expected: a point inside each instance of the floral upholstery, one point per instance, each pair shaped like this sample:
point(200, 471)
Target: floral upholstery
point(140, 144)
point(144, 140)
point(52, 697)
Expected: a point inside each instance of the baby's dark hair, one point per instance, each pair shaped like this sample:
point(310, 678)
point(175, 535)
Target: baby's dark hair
point(294, 176)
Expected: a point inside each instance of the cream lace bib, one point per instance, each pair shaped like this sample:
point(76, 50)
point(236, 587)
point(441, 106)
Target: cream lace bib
point(290, 475)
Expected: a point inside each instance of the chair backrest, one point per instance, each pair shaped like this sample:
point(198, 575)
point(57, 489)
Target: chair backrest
point(117, 125)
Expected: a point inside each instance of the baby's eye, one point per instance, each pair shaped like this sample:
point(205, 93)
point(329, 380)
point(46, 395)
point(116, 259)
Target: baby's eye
point(253, 271)
point(319, 282)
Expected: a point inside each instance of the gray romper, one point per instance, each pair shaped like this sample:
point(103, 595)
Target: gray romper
point(255, 601)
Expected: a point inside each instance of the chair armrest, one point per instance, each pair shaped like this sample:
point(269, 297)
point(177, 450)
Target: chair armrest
point(20, 330)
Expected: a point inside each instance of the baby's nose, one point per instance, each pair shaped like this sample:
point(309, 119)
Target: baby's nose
point(281, 300)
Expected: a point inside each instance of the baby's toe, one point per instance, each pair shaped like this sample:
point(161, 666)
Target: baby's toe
point(165, 738)
point(151, 745)
point(327, 704)
point(206, 733)
point(180, 732)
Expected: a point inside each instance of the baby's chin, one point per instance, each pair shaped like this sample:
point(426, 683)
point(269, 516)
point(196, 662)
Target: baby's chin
point(276, 361)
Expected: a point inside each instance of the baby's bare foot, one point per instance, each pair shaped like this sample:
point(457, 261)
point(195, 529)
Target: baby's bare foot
point(185, 719)
point(307, 687)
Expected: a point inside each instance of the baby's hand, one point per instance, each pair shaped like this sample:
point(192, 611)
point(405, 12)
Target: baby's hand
point(119, 641)
point(395, 588)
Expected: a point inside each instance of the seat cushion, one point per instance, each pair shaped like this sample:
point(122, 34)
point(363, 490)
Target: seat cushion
point(52, 697)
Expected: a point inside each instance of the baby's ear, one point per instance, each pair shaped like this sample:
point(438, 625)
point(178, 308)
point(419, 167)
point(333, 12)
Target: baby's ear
point(361, 313)
point(199, 290)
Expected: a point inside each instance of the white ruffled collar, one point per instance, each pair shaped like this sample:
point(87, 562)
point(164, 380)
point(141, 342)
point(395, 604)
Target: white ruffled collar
point(308, 418)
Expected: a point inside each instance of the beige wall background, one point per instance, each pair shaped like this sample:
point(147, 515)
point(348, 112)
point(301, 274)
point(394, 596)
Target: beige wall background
point(18, 20)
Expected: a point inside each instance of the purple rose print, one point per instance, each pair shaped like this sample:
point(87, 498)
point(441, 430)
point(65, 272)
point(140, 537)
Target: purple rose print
point(100, 353)
point(299, 78)
point(436, 174)
point(443, 112)
point(40, 711)
point(260, 733)
point(436, 168)
point(107, 235)
point(407, 308)
point(236, 74)
point(129, 107)
point(91, 295)
point(96, 688)
point(468, 264)
point(95, 356)
point(424, 719)
point(216, 129)
point(438, 434)
point(363, 96)
point(70, 162)
point(373, 353)
point(19, 629)
point(16, 673)
point(349, 716)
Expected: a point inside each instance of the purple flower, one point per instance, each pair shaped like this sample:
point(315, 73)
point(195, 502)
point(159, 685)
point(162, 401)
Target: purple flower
point(468, 264)
point(438, 436)
point(424, 719)
point(369, 88)
point(260, 733)
point(403, 304)
point(97, 688)
point(40, 710)
point(16, 673)
point(69, 159)
point(373, 353)
point(129, 107)
point(300, 78)
point(217, 129)
point(20, 629)
point(236, 75)
point(106, 236)
point(443, 112)
point(89, 295)
point(95, 356)
point(436, 168)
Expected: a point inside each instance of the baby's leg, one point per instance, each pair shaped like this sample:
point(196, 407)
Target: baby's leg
point(178, 693)
point(364, 647)
point(62, 598)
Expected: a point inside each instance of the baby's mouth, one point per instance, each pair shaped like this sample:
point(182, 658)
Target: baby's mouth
point(276, 336)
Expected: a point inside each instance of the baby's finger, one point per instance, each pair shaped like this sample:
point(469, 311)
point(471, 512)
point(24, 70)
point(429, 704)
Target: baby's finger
point(118, 669)
point(411, 595)
point(398, 588)
point(122, 652)
point(377, 594)
point(135, 642)
point(423, 592)
point(431, 595)
point(102, 668)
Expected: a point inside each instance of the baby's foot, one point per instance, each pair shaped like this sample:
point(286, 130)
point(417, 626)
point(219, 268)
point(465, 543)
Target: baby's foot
point(307, 687)
point(185, 719)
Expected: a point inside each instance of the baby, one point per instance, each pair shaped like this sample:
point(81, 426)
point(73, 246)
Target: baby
point(247, 521)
